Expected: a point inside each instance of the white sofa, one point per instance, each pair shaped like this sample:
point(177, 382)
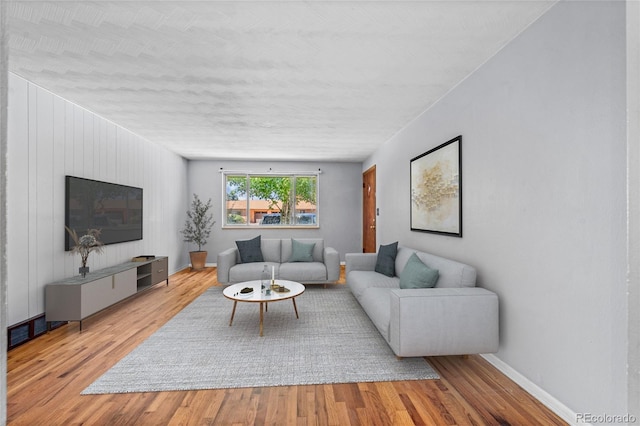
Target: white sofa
point(453, 318)
point(323, 269)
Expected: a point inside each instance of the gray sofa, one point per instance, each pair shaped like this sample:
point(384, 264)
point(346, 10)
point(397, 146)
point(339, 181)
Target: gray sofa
point(322, 269)
point(453, 318)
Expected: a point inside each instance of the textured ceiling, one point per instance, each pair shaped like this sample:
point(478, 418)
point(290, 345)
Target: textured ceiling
point(287, 80)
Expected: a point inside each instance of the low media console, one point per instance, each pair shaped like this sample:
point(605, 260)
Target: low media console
point(76, 298)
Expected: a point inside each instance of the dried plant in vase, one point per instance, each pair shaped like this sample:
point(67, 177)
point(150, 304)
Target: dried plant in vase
point(84, 245)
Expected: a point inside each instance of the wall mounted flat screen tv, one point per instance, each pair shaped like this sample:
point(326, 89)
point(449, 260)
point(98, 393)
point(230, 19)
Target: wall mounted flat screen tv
point(116, 210)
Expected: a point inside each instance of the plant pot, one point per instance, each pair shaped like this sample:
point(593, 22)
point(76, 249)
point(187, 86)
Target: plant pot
point(198, 260)
point(83, 270)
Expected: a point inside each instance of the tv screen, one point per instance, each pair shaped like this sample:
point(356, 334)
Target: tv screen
point(116, 210)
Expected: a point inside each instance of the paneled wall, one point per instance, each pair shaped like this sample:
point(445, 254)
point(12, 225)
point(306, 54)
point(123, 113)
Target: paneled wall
point(48, 138)
point(4, 56)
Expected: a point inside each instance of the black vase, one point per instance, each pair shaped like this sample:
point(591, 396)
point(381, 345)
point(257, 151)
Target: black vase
point(84, 270)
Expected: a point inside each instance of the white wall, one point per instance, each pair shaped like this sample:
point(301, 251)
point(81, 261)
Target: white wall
point(633, 183)
point(48, 138)
point(544, 198)
point(340, 205)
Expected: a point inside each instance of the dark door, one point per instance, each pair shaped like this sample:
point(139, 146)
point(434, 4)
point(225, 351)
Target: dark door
point(369, 210)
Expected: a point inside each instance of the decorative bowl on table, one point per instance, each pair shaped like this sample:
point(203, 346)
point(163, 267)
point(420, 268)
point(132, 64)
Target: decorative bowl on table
point(246, 292)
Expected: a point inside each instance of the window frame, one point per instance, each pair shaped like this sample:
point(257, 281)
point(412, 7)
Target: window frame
point(247, 211)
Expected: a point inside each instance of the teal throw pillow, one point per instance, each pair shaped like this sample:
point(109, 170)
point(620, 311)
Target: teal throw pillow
point(250, 250)
point(301, 252)
point(386, 261)
point(418, 275)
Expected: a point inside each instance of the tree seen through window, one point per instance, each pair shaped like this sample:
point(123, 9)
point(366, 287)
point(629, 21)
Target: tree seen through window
point(267, 200)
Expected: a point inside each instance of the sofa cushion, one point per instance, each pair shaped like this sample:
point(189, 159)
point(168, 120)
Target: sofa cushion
point(359, 281)
point(418, 275)
point(301, 252)
point(250, 250)
point(377, 304)
point(303, 272)
point(318, 249)
point(271, 249)
point(250, 271)
point(402, 257)
point(452, 273)
point(385, 262)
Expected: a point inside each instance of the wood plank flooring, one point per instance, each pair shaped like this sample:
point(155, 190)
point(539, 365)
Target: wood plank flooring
point(45, 378)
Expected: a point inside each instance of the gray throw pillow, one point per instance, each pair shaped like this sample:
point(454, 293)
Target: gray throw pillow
point(418, 275)
point(250, 250)
point(386, 261)
point(301, 252)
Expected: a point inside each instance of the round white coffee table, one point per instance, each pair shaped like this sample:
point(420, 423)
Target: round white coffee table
point(233, 292)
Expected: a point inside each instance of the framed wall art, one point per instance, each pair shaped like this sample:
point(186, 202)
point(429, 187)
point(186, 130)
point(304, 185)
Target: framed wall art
point(436, 190)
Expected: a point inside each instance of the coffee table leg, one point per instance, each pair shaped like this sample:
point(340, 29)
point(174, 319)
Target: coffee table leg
point(233, 312)
point(261, 317)
point(295, 308)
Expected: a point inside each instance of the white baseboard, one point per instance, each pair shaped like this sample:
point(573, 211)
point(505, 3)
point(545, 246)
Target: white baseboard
point(206, 265)
point(536, 391)
point(215, 265)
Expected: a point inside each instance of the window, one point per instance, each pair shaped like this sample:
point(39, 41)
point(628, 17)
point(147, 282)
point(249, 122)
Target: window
point(271, 200)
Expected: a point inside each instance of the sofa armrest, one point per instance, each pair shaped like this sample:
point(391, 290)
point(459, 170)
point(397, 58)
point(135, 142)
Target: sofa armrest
point(443, 321)
point(332, 262)
point(226, 260)
point(360, 262)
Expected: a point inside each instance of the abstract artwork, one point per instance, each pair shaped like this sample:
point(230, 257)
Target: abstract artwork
point(436, 190)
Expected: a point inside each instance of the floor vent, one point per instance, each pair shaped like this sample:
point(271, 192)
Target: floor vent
point(30, 329)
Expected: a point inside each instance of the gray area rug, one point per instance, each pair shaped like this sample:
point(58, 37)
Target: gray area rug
point(333, 342)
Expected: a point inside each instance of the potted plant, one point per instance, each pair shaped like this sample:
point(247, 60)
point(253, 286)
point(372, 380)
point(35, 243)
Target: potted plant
point(85, 245)
point(197, 229)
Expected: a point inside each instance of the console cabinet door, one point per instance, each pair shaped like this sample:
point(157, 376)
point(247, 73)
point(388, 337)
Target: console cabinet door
point(62, 302)
point(124, 284)
point(96, 295)
point(104, 292)
point(159, 270)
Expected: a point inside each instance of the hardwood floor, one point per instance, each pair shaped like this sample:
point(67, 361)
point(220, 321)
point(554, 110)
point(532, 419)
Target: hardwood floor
point(45, 378)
